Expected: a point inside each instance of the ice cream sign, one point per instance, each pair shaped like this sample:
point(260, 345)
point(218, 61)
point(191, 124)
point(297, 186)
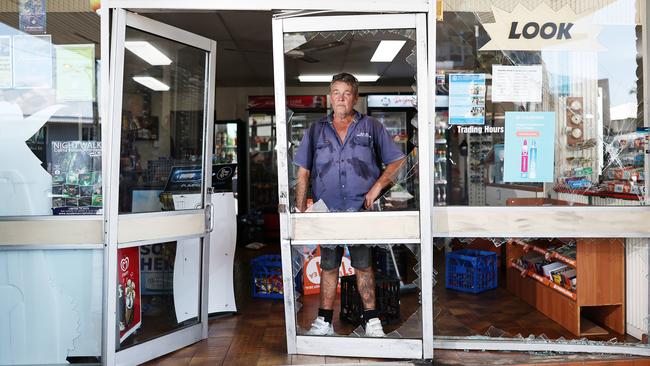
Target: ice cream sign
point(542, 28)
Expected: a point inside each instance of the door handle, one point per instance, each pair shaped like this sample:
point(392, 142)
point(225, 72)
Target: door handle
point(211, 217)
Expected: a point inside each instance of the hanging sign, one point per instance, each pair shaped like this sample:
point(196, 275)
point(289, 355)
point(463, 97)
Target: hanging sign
point(541, 28)
point(529, 150)
point(390, 101)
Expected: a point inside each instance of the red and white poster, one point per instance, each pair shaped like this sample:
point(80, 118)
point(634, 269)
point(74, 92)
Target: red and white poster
point(128, 291)
point(311, 269)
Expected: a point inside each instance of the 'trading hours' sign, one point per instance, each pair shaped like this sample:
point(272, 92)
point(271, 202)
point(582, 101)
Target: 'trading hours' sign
point(542, 28)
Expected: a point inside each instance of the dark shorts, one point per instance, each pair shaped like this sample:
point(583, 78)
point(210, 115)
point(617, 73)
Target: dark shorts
point(330, 258)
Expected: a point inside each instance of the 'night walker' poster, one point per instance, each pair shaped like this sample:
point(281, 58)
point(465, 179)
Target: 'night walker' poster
point(529, 149)
point(76, 177)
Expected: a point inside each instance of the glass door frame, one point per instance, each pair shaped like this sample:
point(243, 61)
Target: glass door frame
point(298, 229)
point(129, 230)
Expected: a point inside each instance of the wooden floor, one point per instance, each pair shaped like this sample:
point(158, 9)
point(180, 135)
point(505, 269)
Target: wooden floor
point(256, 335)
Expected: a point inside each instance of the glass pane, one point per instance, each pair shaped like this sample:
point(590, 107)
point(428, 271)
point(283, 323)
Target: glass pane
point(163, 112)
point(49, 112)
point(560, 290)
point(158, 290)
point(540, 113)
point(387, 279)
point(368, 159)
point(51, 306)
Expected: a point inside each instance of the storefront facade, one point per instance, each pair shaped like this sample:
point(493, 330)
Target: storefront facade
point(527, 104)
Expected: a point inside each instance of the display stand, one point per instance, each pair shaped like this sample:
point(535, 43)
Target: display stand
point(221, 298)
point(599, 299)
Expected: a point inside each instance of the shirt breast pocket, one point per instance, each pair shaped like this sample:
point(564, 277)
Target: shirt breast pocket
point(323, 152)
point(363, 147)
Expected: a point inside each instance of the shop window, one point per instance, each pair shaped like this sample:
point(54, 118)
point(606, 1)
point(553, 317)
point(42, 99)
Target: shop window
point(540, 103)
point(51, 306)
point(396, 271)
point(563, 290)
point(163, 114)
point(389, 98)
point(49, 109)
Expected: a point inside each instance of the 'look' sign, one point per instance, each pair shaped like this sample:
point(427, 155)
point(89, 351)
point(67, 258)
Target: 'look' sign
point(541, 29)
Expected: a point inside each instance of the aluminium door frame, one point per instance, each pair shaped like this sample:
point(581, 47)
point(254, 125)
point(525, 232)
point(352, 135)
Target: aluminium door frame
point(299, 229)
point(137, 228)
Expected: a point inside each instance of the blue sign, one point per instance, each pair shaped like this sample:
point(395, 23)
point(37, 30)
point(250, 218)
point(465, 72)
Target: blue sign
point(467, 99)
point(529, 147)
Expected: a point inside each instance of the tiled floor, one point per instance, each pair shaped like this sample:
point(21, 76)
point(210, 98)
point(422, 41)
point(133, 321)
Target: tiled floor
point(256, 335)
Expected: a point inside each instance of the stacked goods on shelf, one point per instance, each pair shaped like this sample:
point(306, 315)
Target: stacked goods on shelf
point(625, 161)
point(440, 159)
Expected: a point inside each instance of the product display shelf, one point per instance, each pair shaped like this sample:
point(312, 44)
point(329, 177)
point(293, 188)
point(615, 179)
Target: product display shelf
point(549, 254)
point(545, 281)
point(599, 302)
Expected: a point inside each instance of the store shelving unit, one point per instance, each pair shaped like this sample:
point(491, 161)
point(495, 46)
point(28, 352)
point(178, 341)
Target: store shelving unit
point(599, 300)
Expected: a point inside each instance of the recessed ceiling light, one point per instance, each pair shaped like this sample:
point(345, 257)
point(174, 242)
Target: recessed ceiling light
point(147, 52)
point(387, 50)
point(328, 78)
point(151, 83)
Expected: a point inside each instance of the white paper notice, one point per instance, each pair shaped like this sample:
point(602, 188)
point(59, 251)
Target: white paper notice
point(517, 83)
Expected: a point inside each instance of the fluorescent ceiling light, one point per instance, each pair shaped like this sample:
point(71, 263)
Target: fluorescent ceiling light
point(387, 50)
point(328, 78)
point(151, 83)
point(147, 52)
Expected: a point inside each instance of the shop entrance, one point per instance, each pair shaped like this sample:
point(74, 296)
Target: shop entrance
point(159, 207)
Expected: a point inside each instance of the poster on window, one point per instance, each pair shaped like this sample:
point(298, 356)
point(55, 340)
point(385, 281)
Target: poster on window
point(32, 62)
point(129, 310)
point(5, 63)
point(517, 83)
point(76, 177)
point(75, 73)
point(467, 99)
point(32, 16)
point(529, 149)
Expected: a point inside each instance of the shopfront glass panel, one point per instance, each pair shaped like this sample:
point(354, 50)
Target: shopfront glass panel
point(50, 306)
point(396, 271)
point(540, 103)
point(163, 112)
point(50, 139)
point(324, 54)
point(564, 290)
point(158, 290)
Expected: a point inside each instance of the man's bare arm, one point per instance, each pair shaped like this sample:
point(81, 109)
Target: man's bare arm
point(301, 189)
point(387, 177)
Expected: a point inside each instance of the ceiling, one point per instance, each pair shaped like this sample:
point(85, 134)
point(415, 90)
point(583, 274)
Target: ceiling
point(245, 58)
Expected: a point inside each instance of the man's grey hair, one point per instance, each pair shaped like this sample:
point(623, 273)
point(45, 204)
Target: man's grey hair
point(348, 79)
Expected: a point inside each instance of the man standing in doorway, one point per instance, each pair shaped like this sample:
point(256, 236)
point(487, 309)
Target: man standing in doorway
point(342, 155)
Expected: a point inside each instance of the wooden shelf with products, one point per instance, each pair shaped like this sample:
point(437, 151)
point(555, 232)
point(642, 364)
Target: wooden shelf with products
point(598, 301)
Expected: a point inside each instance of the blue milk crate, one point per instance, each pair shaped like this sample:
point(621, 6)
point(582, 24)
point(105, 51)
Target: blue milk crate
point(267, 277)
point(470, 270)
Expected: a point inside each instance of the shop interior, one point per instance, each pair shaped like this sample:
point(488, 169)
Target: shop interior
point(468, 168)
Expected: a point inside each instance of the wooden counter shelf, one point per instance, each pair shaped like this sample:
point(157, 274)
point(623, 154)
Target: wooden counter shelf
point(599, 299)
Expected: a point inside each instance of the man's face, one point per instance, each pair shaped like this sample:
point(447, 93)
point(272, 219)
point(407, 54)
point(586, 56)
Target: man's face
point(343, 98)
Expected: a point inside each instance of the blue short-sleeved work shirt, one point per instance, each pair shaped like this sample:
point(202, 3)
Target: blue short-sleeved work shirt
point(342, 173)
